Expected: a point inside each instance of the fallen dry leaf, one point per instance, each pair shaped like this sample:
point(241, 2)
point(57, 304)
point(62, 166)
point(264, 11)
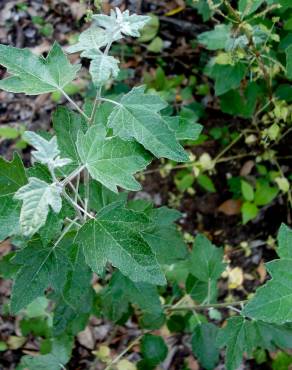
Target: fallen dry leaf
point(246, 168)
point(192, 363)
point(85, 338)
point(230, 207)
point(261, 270)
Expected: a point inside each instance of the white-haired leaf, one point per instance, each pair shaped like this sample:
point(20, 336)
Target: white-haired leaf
point(37, 196)
point(35, 75)
point(47, 150)
point(122, 22)
point(102, 68)
point(93, 38)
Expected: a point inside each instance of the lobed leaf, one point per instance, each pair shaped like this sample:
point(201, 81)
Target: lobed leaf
point(41, 267)
point(37, 196)
point(35, 75)
point(137, 116)
point(110, 160)
point(114, 236)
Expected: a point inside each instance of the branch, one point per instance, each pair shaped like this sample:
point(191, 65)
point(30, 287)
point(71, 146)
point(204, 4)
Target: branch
point(204, 306)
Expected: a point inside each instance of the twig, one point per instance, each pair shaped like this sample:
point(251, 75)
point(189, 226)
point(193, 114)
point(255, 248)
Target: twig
point(205, 306)
point(116, 359)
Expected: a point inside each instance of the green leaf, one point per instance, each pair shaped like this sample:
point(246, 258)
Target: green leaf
point(41, 267)
point(201, 291)
point(227, 77)
point(100, 196)
point(55, 360)
point(249, 212)
point(67, 124)
point(242, 335)
point(264, 193)
point(47, 150)
point(236, 336)
point(156, 45)
point(90, 40)
point(111, 161)
point(37, 196)
point(51, 228)
point(206, 260)
point(121, 292)
point(153, 349)
point(272, 302)
point(241, 103)
point(35, 75)
point(137, 116)
point(75, 302)
point(121, 23)
point(204, 346)
point(150, 30)
point(206, 183)
point(217, 38)
point(248, 7)
point(9, 217)
point(289, 62)
point(102, 68)
point(247, 191)
point(184, 129)
point(163, 237)
point(12, 175)
point(284, 249)
point(114, 236)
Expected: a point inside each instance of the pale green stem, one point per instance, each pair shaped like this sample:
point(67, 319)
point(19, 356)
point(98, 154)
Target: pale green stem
point(110, 101)
point(75, 105)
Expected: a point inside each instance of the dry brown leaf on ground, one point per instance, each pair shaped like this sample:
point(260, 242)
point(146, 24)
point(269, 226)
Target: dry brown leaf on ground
point(230, 207)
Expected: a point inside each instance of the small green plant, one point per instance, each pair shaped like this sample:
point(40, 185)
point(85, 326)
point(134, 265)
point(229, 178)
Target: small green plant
point(69, 216)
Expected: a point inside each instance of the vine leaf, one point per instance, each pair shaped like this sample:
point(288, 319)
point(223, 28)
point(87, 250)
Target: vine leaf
point(162, 235)
point(41, 267)
point(9, 217)
point(289, 62)
point(47, 150)
point(114, 236)
point(218, 38)
point(183, 128)
point(66, 125)
point(35, 75)
point(137, 116)
point(12, 175)
point(272, 302)
point(227, 77)
point(284, 249)
point(244, 336)
point(102, 68)
point(204, 346)
point(121, 292)
point(75, 302)
point(37, 196)
point(111, 160)
point(206, 260)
